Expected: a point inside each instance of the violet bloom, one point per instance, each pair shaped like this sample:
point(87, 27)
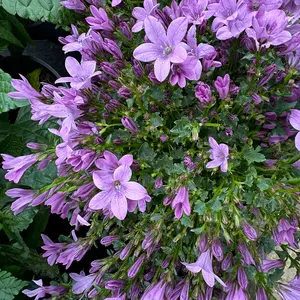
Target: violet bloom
point(165, 47)
point(236, 292)
point(261, 294)
point(246, 255)
point(155, 291)
point(25, 199)
point(194, 11)
point(285, 233)
point(204, 264)
point(203, 92)
point(81, 159)
point(82, 283)
point(100, 20)
point(73, 4)
point(268, 28)
point(290, 291)
point(267, 265)
point(249, 231)
point(52, 249)
point(222, 86)
point(116, 190)
point(181, 202)
point(141, 13)
point(232, 18)
point(134, 269)
point(43, 290)
point(219, 155)
point(81, 73)
point(294, 119)
point(24, 90)
point(16, 166)
point(110, 163)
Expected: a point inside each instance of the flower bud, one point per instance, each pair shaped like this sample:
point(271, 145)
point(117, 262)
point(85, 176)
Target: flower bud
point(256, 98)
point(217, 250)
point(129, 124)
point(203, 244)
point(203, 93)
point(124, 92)
point(36, 146)
point(136, 267)
point(242, 278)
point(222, 86)
point(227, 262)
point(261, 294)
point(158, 183)
point(111, 47)
point(137, 68)
point(110, 69)
point(249, 231)
point(108, 240)
point(163, 138)
point(125, 252)
point(114, 285)
point(124, 28)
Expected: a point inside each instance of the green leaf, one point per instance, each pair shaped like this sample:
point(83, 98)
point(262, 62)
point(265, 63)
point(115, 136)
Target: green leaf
point(157, 94)
point(182, 129)
point(146, 153)
point(10, 286)
point(186, 221)
point(252, 155)
point(7, 103)
point(34, 78)
point(40, 10)
point(156, 120)
point(264, 183)
point(7, 35)
point(200, 208)
point(37, 179)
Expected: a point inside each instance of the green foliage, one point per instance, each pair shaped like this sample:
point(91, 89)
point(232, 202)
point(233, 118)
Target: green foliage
point(146, 153)
point(39, 10)
point(10, 286)
point(7, 103)
point(252, 155)
point(182, 129)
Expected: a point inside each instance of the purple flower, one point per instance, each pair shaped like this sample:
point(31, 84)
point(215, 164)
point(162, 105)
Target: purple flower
point(43, 290)
point(267, 265)
point(124, 28)
point(114, 285)
point(204, 264)
point(125, 252)
point(115, 2)
point(268, 28)
point(290, 291)
point(141, 14)
point(236, 292)
point(219, 155)
point(247, 257)
point(100, 20)
point(217, 250)
point(116, 190)
point(81, 73)
point(16, 166)
point(155, 291)
point(108, 240)
point(181, 202)
point(158, 183)
point(25, 199)
point(57, 202)
point(124, 92)
point(24, 90)
point(110, 163)
point(165, 48)
point(256, 98)
point(249, 231)
point(261, 294)
point(135, 267)
point(222, 86)
point(129, 124)
point(82, 283)
point(73, 4)
point(285, 233)
point(203, 92)
point(294, 120)
point(194, 11)
point(232, 18)
point(242, 278)
point(52, 249)
point(112, 47)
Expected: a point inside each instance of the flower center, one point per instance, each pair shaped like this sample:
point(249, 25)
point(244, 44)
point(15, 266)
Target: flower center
point(168, 50)
point(117, 185)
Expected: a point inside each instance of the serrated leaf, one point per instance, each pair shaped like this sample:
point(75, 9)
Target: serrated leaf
point(40, 10)
point(10, 286)
point(200, 208)
point(146, 153)
point(186, 221)
point(7, 103)
point(156, 120)
point(264, 183)
point(252, 155)
point(182, 129)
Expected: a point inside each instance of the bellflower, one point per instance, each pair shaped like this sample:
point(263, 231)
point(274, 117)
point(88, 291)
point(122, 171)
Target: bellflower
point(116, 190)
point(165, 47)
point(219, 154)
point(52, 249)
point(16, 166)
point(141, 13)
point(249, 231)
point(41, 291)
point(295, 122)
point(222, 86)
point(290, 291)
point(100, 20)
point(155, 291)
point(194, 11)
point(181, 202)
point(82, 283)
point(285, 233)
point(261, 294)
point(73, 5)
point(25, 199)
point(268, 28)
point(81, 73)
point(203, 93)
point(204, 264)
point(267, 265)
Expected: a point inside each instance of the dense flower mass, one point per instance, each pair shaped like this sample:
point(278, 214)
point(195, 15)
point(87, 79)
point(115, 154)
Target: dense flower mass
point(176, 145)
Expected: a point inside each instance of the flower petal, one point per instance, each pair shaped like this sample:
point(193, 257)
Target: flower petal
point(147, 52)
point(73, 66)
point(155, 31)
point(295, 118)
point(123, 174)
point(297, 141)
point(161, 68)
point(126, 160)
point(101, 200)
point(178, 55)
point(102, 183)
point(194, 267)
point(176, 31)
point(119, 206)
point(214, 163)
point(134, 191)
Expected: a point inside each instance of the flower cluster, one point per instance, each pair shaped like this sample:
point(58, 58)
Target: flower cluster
point(177, 146)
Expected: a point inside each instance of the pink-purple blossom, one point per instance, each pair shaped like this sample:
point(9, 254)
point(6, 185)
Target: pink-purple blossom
point(295, 122)
point(219, 155)
point(165, 47)
point(181, 202)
